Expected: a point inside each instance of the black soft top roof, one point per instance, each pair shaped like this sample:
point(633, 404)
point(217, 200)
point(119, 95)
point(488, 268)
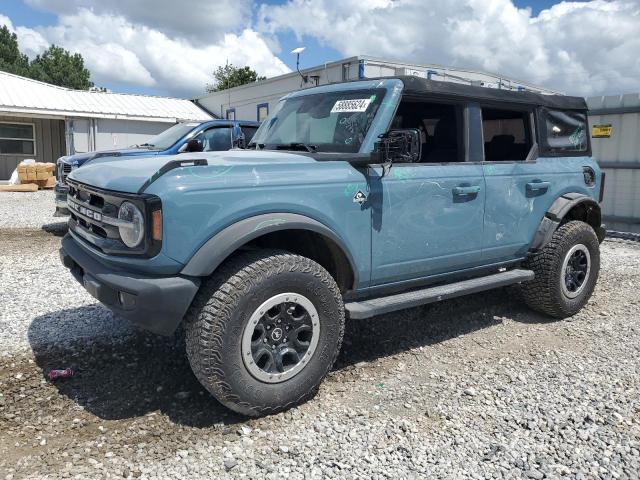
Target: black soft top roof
point(417, 85)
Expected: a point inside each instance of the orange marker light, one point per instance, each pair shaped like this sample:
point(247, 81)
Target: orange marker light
point(156, 225)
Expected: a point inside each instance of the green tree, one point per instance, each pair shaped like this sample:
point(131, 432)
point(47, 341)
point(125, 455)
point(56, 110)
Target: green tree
point(11, 60)
point(59, 67)
point(230, 76)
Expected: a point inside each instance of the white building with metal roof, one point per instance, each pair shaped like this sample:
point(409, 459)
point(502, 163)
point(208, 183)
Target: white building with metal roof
point(254, 100)
point(43, 121)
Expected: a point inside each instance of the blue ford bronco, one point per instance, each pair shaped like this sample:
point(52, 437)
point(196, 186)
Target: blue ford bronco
point(210, 136)
point(352, 200)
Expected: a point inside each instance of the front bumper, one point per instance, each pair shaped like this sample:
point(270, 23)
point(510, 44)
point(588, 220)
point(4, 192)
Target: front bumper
point(154, 303)
point(61, 199)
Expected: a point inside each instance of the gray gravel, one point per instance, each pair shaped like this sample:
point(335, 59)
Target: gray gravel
point(41, 303)
point(28, 209)
point(479, 387)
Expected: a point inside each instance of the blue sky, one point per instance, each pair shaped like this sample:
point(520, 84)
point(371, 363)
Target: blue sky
point(315, 54)
point(481, 34)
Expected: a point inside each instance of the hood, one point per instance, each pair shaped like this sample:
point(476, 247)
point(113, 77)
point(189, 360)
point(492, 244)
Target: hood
point(81, 158)
point(129, 174)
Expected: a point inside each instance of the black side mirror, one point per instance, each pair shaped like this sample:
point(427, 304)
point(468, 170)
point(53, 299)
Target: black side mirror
point(402, 145)
point(194, 145)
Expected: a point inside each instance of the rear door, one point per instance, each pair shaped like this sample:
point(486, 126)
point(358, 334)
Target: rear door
point(520, 186)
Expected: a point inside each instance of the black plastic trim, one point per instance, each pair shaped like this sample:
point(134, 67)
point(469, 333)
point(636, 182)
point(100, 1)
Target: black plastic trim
point(155, 303)
point(382, 305)
point(170, 166)
point(224, 243)
point(552, 219)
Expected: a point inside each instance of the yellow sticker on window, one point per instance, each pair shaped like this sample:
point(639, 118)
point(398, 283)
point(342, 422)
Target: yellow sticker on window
point(601, 131)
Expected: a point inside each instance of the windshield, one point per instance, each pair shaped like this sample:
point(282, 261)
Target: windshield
point(169, 137)
point(324, 122)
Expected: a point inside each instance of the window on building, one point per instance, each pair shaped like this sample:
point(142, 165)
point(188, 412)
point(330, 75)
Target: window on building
point(345, 72)
point(231, 114)
point(17, 139)
point(263, 111)
point(507, 135)
point(440, 127)
point(565, 131)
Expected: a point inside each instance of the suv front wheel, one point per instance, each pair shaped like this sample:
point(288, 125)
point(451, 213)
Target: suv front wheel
point(264, 330)
point(566, 271)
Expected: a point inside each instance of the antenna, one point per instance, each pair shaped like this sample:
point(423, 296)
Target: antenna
point(297, 52)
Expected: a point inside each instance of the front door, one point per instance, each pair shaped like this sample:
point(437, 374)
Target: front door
point(427, 217)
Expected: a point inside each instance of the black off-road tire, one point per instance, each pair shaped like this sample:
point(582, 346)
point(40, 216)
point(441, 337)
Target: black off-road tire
point(216, 320)
point(545, 292)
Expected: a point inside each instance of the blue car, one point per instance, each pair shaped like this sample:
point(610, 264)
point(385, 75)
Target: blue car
point(352, 200)
point(211, 136)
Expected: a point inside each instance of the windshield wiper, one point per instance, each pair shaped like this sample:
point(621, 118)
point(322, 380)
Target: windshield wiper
point(296, 146)
point(144, 145)
point(253, 145)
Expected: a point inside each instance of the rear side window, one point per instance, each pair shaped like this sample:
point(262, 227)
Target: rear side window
point(248, 132)
point(564, 132)
point(507, 135)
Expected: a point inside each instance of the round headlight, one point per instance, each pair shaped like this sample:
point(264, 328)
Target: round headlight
point(131, 233)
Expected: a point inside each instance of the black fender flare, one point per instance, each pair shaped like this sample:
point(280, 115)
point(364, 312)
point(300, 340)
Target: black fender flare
point(215, 250)
point(558, 210)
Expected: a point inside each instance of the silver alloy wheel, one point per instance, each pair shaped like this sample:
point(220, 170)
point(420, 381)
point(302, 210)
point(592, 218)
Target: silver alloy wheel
point(575, 270)
point(280, 337)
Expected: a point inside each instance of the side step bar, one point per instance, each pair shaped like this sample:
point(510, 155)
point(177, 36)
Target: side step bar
point(391, 303)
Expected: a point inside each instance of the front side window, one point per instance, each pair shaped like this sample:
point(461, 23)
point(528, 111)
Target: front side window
point(440, 127)
point(506, 135)
point(216, 139)
point(17, 139)
point(169, 137)
point(326, 122)
point(565, 131)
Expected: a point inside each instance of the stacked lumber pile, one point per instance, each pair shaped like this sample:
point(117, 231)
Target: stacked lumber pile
point(32, 175)
point(38, 173)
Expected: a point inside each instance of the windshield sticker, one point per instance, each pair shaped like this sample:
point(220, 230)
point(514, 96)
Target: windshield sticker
point(354, 105)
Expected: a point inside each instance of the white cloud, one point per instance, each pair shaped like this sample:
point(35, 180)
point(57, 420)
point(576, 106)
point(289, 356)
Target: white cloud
point(578, 47)
point(117, 50)
point(194, 19)
point(4, 20)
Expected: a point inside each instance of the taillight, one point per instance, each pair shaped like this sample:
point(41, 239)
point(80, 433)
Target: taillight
point(156, 225)
point(601, 198)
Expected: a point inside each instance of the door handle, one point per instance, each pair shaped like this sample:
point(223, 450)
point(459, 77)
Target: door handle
point(466, 190)
point(537, 186)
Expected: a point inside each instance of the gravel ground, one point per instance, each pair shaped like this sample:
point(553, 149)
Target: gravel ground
point(28, 210)
point(478, 387)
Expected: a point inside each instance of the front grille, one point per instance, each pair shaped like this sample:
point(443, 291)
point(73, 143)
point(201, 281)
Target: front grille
point(90, 218)
point(64, 169)
point(94, 218)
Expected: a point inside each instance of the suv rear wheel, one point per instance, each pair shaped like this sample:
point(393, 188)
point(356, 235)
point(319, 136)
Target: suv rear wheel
point(566, 271)
point(264, 330)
